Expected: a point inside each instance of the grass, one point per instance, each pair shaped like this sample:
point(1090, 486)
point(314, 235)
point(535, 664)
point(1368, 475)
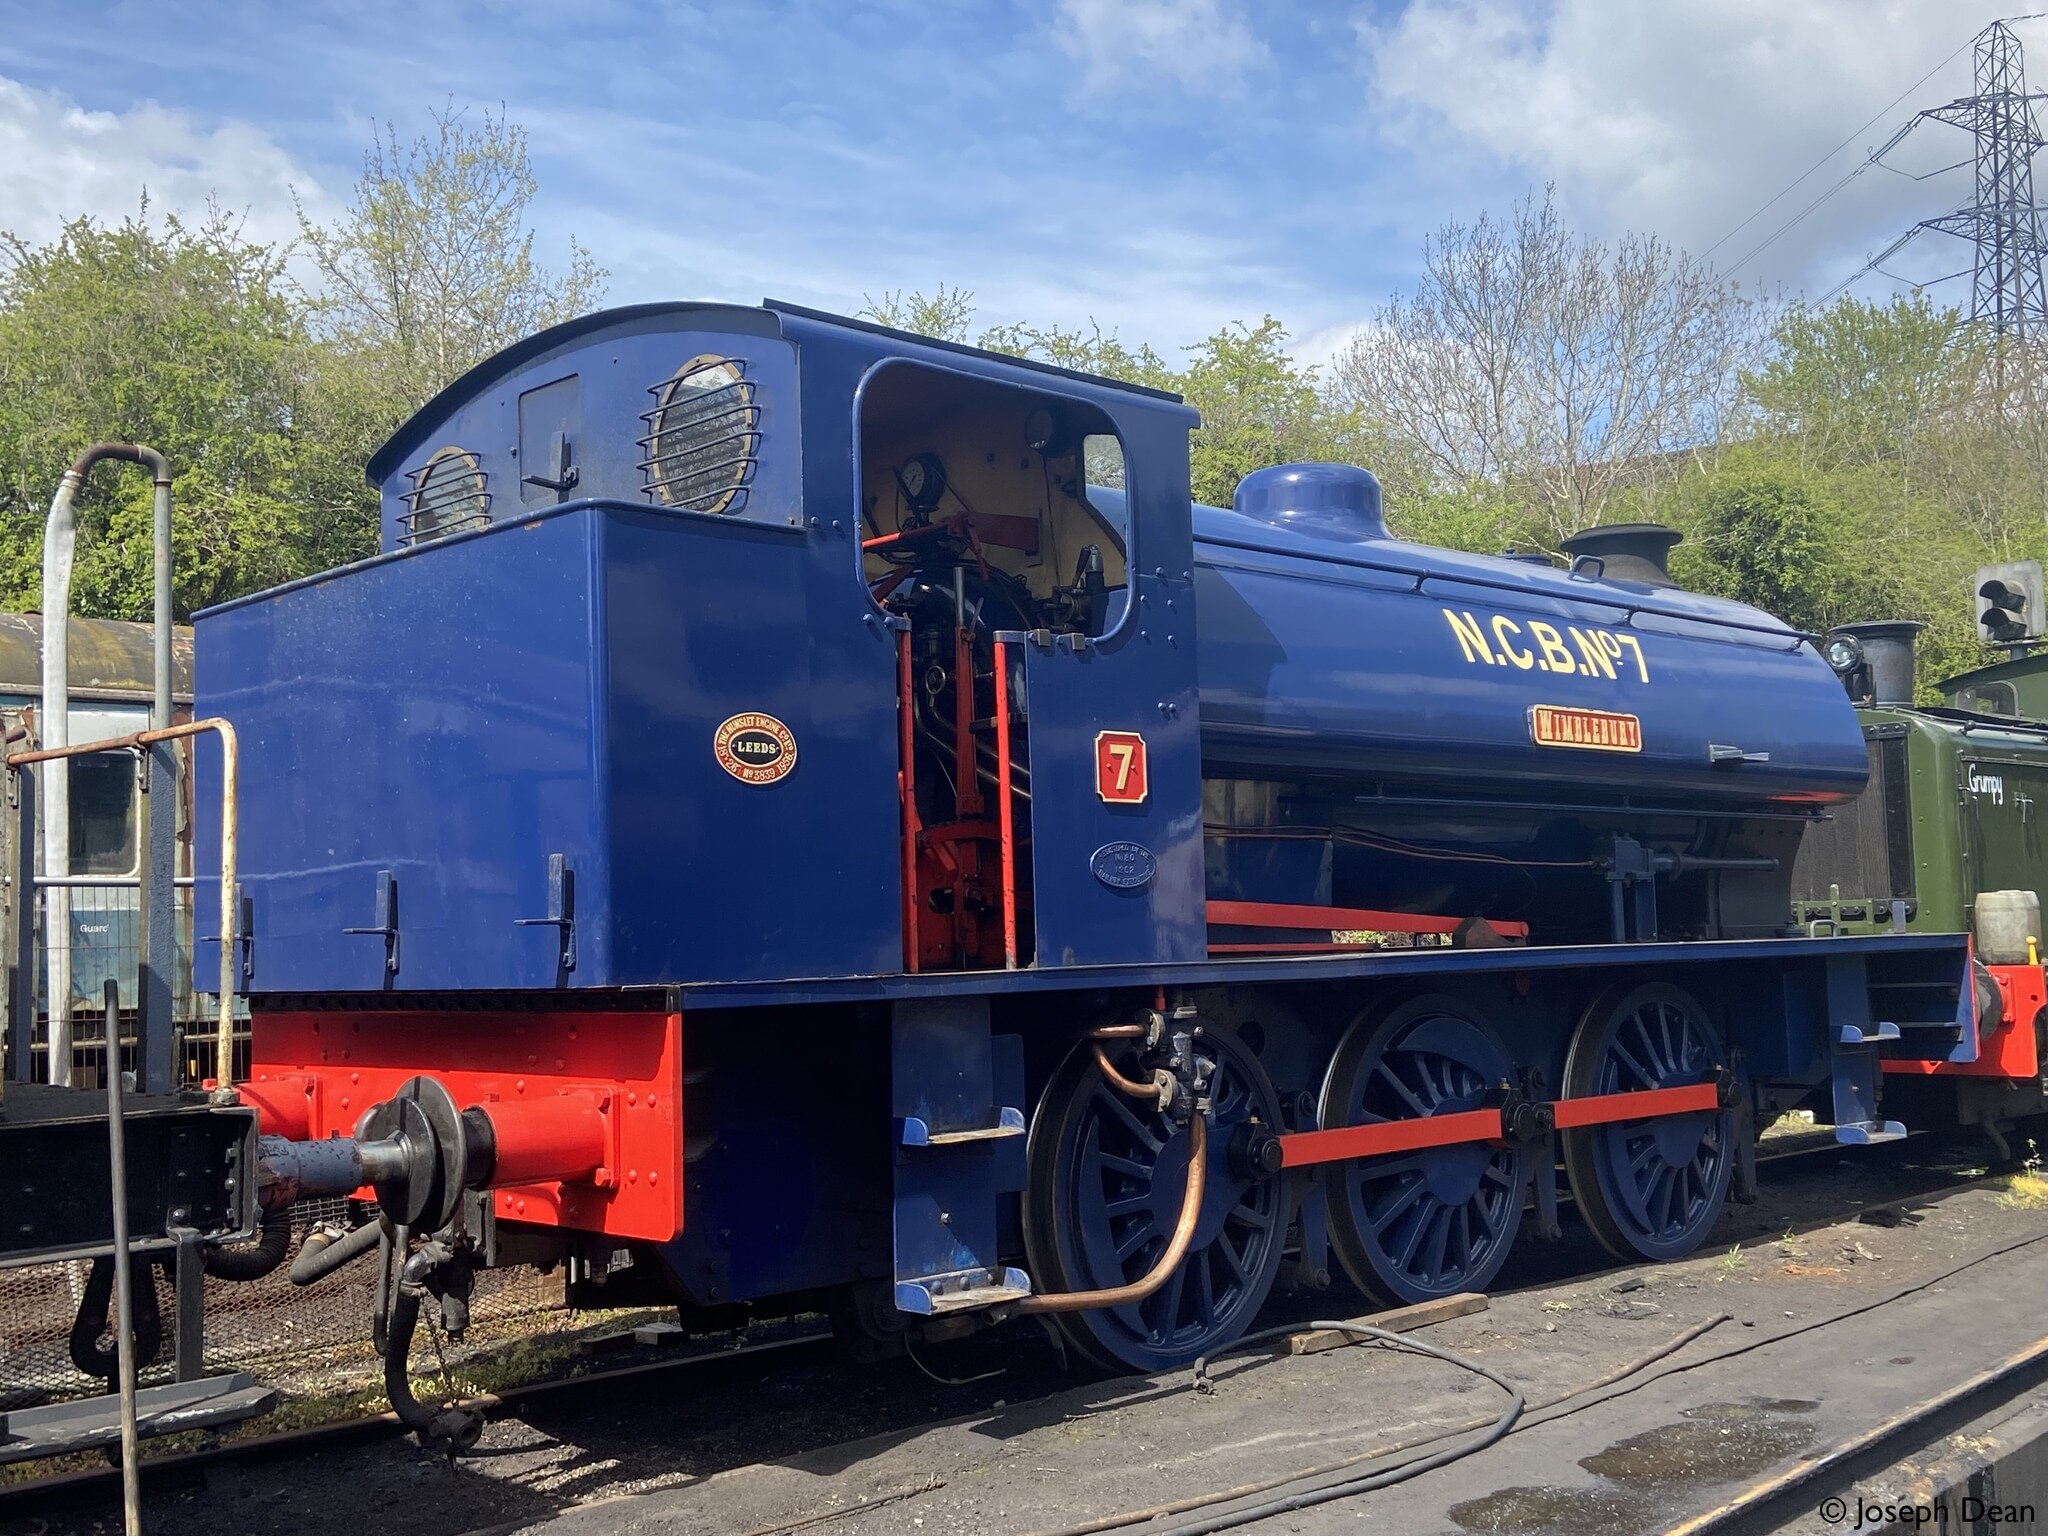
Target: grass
point(2025, 1191)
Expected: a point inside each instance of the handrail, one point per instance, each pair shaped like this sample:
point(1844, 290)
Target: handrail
point(230, 811)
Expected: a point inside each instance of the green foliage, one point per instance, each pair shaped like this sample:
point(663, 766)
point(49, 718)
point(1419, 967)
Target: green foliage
point(1862, 383)
point(1772, 535)
point(1259, 406)
point(187, 338)
point(944, 314)
point(1875, 458)
point(431, 270)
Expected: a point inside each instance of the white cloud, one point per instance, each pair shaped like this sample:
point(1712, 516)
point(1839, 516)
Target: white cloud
point(1201, 44)
point(59, 160)
point(1682, 119)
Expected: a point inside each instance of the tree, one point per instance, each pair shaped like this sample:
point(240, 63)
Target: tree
point(431, 270)
point(1548, 364)
point(1260, 407)
point(186, 337)
point(943, 315)
point(1865, 383)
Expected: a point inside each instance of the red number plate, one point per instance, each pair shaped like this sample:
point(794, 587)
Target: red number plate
point(1120, 773)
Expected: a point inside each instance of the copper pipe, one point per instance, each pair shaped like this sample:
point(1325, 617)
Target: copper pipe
point(1122, 1084)
point(1118, 1032)
point(1176, 1248)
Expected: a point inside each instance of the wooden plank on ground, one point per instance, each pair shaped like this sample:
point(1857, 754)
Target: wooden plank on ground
point(1314, 1341)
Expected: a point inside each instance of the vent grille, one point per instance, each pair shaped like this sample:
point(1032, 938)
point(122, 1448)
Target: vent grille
point(1866, 849)
point(702, 437)
point(449, 494)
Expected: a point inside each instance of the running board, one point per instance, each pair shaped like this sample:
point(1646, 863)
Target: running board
point(94, 1423)
point(967, 1290)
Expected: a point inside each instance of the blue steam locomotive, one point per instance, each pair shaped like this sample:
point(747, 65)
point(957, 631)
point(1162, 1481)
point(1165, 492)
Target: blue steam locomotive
point(802, 815)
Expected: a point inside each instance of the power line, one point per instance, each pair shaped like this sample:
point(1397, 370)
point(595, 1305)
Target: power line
point(1881, 112)
point(2000, 218)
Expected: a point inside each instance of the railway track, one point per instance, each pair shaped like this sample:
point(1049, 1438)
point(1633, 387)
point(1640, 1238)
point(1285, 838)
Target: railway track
point(1792, 1163)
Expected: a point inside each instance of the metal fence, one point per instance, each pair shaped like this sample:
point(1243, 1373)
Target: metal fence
point(103, 921)
point(311, 1342)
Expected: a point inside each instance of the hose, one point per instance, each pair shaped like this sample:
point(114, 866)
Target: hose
point(317, 1263)
point(1309, 1497)
point(1217, 1496)
point(252, 1261)
point(454, 1426)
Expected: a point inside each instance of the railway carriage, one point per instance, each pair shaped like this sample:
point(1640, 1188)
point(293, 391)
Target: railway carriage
point(799, 815)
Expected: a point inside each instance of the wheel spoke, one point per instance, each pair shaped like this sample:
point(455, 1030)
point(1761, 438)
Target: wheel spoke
point(1205, 1288)
point(1140, 1233)
point(1128, 1166)
point(1222, 1249)
point(1407, 1198)
point(1642, 1074)
point(1121, 1112)
point(1375, 1169)
point(1418, 1230)
point(1165, 1305)
point(1129, 1205)
point(1387, 1072)
point(1439, 1240)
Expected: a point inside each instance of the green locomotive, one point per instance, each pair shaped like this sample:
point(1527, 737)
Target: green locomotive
point(1951, 836)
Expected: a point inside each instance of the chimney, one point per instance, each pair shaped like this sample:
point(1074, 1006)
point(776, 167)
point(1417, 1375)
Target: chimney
point(1638, 552)
point(1887, 656)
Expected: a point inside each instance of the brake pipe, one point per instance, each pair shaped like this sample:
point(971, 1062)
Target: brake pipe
point(1190, 1204)
point(1169, 1261)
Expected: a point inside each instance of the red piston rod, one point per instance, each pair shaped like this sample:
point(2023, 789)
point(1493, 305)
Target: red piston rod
point(1302, 1149)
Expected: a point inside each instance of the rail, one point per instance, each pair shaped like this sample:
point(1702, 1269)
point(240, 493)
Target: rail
point(136, 741)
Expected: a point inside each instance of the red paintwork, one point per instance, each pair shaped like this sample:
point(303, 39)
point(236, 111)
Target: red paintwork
point(2008, 1049)
point(1122, 777)
point(1277, 914)
point(600, 1093)
point(1643, 1104)
point(1304, 1148)
point(961, 857)
point(283, 1104)
point(1005, 817)
point(906, 789)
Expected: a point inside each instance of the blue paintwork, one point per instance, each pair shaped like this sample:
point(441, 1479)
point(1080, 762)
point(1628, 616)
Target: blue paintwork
point(509, 728)
point(458, 711)
point(1324, 649)
point(943, 1081)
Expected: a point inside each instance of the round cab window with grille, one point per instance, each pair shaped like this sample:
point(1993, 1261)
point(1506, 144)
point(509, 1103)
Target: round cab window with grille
point(702, 436)
point(448, 495)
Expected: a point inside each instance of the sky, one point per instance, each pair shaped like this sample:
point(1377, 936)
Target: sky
point(1157, 167)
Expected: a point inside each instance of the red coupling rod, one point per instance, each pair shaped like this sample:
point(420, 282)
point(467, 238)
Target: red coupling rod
point(1302, 1149)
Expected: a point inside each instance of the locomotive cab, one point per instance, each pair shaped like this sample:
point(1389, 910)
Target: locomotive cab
point(983, 530)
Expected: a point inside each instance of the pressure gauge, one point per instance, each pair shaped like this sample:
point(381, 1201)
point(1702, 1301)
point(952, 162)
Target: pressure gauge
point(1040, 430)
point(1844, 653)
point(923, 477)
